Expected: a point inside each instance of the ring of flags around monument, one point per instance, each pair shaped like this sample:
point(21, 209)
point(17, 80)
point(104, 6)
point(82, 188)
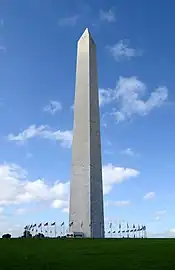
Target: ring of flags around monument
point(127, 231)
point(122, 230)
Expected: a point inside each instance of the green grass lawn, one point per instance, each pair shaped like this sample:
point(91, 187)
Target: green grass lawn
point(119, 254)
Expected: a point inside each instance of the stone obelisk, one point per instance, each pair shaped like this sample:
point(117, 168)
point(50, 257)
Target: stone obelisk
point(86, 212)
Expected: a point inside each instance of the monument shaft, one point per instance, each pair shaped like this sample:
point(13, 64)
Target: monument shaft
point(86, 191)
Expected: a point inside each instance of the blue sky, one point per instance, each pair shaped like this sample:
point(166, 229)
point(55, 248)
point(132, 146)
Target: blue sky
point(135, 53)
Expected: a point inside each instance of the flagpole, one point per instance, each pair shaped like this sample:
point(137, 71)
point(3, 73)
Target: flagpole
point(55, 230)
point(63, 230)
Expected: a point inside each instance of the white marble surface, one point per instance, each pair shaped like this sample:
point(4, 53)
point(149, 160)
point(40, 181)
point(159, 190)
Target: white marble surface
point(86, 195)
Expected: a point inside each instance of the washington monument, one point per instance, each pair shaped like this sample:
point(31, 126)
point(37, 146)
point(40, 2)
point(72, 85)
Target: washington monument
point(86, 190)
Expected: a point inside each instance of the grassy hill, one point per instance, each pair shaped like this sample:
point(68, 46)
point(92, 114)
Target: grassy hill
point(119, 254)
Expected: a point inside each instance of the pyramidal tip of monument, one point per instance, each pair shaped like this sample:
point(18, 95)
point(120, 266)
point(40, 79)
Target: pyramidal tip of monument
point(86, 33)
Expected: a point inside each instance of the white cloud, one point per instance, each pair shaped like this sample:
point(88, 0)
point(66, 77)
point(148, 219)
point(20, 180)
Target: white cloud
point(129, 98)
point(59, 204)
point(121, 203)
point(65, 210)
point(128, 152)
point(68, 21)
point(20, 211)
point(121, 50)
point(157, 218)
point(64, 137)
point(72, 107)
point(16, 188)
point(113, 175)
point(160, 214)
point(172, 230)
point(118, 203)
point(53, 107)
point(108, 16)
point(106, 96)
point(129, 94)
point(149, 195)
point(1, 210)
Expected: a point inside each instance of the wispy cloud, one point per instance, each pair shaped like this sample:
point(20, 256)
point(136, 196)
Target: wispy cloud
point(128, 152)
point(159, 214)
point(2, 48)
point(172, 231)
point(149, 196)
point(1, 22)
point(29, 155)
point(128, 96)
point(45, 132)
point(121, 50)
point(53, 107)
point(72, 107)
point(20, 211)
point(106, 96)
point(68, 21)
point(108, 16)
point(118, 203)
point(65, 210)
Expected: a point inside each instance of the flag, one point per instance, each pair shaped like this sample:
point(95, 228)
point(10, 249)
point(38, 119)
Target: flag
point(46, 224)
point(52, 224)
point(70, 224)
point(39, 225)
point(62, 223)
